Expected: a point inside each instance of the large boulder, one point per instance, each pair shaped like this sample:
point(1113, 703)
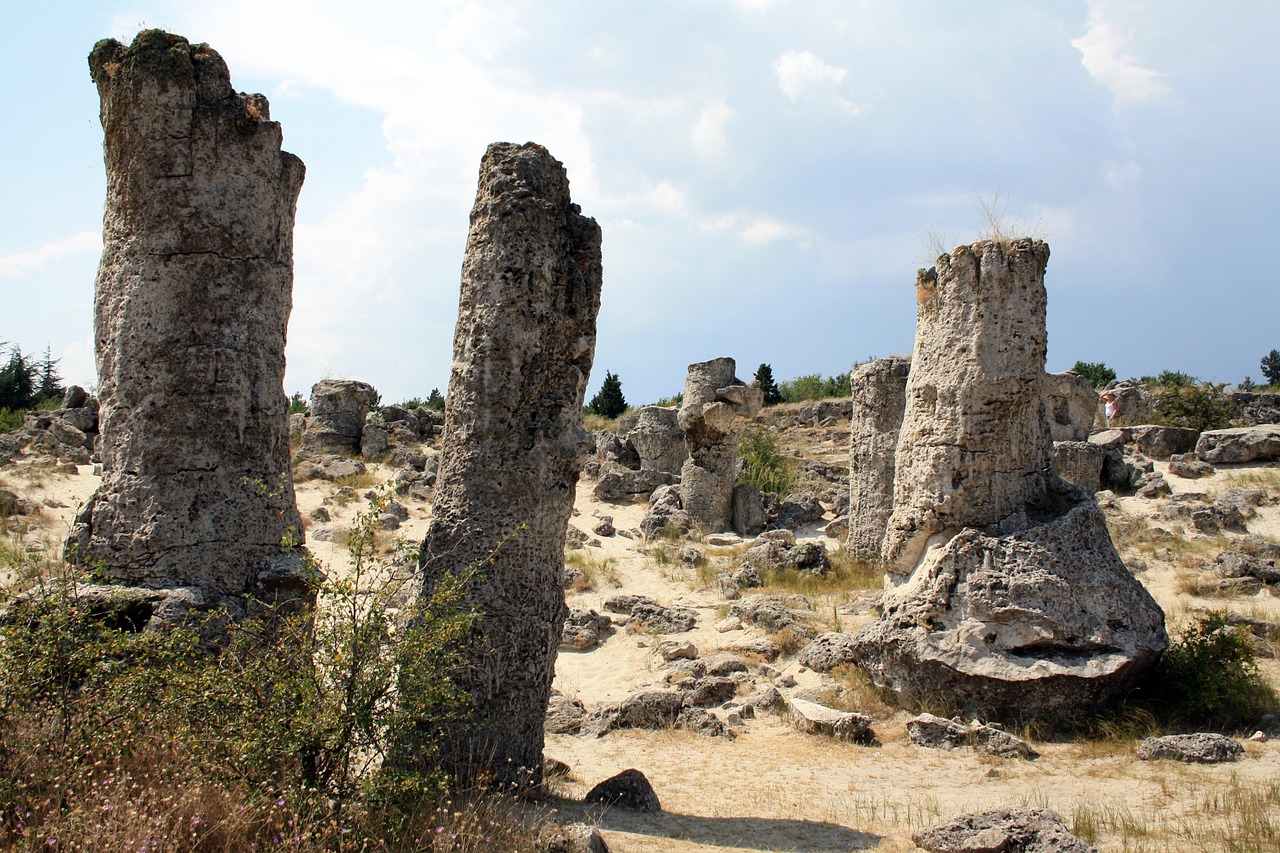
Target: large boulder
point(1243, 444)
point(1043, 624)
point(337, 416)
point(1014, 830)
point(1161, 442)
point(654, 432)
point(1080, 462)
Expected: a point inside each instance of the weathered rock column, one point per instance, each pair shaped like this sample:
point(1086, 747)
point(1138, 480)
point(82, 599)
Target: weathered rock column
point(192, 300)
point(513, 447)
point(336, 419)
point(974, 448)
point(716, 407)
point(879, 400)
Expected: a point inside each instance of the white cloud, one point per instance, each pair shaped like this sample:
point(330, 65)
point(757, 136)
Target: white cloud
point(25, 263)
point(766, 230)
point(709, 137)
point(1102, 53)
point(800, 71)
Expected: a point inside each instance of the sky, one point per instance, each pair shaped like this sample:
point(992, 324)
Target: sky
point(768, 174)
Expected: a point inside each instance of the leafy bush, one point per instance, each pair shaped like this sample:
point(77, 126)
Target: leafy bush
point(1201, 407)
point(1210, 677)
point(1097, 373)
point(10, 420)
point(1169, 379)
point(813, 386)
point(260, 732)
point(763, 464)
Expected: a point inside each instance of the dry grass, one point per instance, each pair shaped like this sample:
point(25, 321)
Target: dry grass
point(595, 570)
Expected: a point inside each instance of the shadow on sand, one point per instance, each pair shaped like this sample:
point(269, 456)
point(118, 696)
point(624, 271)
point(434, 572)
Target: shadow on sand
point(745, 833)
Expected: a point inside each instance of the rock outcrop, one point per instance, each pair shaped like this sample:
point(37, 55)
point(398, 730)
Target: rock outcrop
point(1008, 598)
point(879, 401)
point(513, 447)
point(1019, 830)
point(335, 420)
point(974, 448)
point(191, 304)
point(1243, 444)
point(717, 406)
point(654, 432)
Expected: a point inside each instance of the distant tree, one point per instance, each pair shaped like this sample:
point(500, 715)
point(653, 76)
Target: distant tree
point(297, 404)
point(609, 402)
point(1200, 406)
point(1271, 367)
point(1169, 379)
point(764, 375)
point(435, 400)
point(18, 380)
point(1096, 372)
point(49, 382)
point(837, 386)
point(1246, 384)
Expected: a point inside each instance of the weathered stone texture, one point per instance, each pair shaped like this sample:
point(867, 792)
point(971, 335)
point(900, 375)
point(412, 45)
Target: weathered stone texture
point(974, 446)
point(335, 421)
point(513, 447)
point(191, 305)
point(1071, 404)
point(879, 401)
point(1042, 624)
point(717, 406)
point(654, 432)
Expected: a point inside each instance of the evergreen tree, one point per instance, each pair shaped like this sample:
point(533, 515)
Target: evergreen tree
point(50, 385)
point(1271, 367)
point(764, 375)
point(609, 402)
point(435, 400)
point(17, 382)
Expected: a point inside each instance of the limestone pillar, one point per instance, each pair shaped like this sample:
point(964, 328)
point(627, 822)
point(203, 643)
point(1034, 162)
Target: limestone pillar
point(513, 447)
point(716, 408)
point(191, 304)
point(974, 448)
point(879, 400)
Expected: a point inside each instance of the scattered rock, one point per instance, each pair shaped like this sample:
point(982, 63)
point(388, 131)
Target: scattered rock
point(564, 715)
point(1014, 830)
point(1200, 748)
point(629, 789)
point(1242, 444)
point(584, 629)
point(812, 718)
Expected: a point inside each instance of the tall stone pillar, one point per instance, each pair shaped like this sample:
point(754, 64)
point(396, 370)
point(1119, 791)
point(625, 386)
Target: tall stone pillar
point(191, 304)
point(716, 407)
point(974, 448)
point(513, 447)
point(879, 391)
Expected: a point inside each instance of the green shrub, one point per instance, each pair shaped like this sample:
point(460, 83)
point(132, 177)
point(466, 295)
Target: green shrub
point(279, 721)
point(10, 420)
point(1210, 678)
point(1169, 379)
point(814, 386)
point(763, 464)
point(1097, 373)
point(1201, 407)
point(297, 404)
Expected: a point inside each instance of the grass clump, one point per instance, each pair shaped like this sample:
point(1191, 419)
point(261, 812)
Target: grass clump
point(763, 464)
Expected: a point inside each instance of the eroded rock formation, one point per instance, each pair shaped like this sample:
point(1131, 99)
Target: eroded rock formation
point(717, 406)
point(879, 400)
point(1008, 597)
point(335, 421)
point(191, 304)
point(513, 447)
point(1072, 406)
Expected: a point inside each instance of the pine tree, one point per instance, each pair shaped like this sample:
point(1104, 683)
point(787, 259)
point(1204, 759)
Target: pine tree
point(1271, 367)
point(764, 375)
point(50, 384)
point(435, 400)
point(609, 402)
point(17, 382)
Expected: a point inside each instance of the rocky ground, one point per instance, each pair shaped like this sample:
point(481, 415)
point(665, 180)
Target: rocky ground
point(737, 773)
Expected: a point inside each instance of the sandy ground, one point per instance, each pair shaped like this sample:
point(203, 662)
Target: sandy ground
point(774, 789)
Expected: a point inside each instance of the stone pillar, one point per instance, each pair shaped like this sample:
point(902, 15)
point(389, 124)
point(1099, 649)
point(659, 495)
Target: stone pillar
point(879, 400)
point(717, 406)
point(974, 448)
point(654, 432)
point(191, 304)
point(513, 447)
point(1072, 406)
point(335, 422)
